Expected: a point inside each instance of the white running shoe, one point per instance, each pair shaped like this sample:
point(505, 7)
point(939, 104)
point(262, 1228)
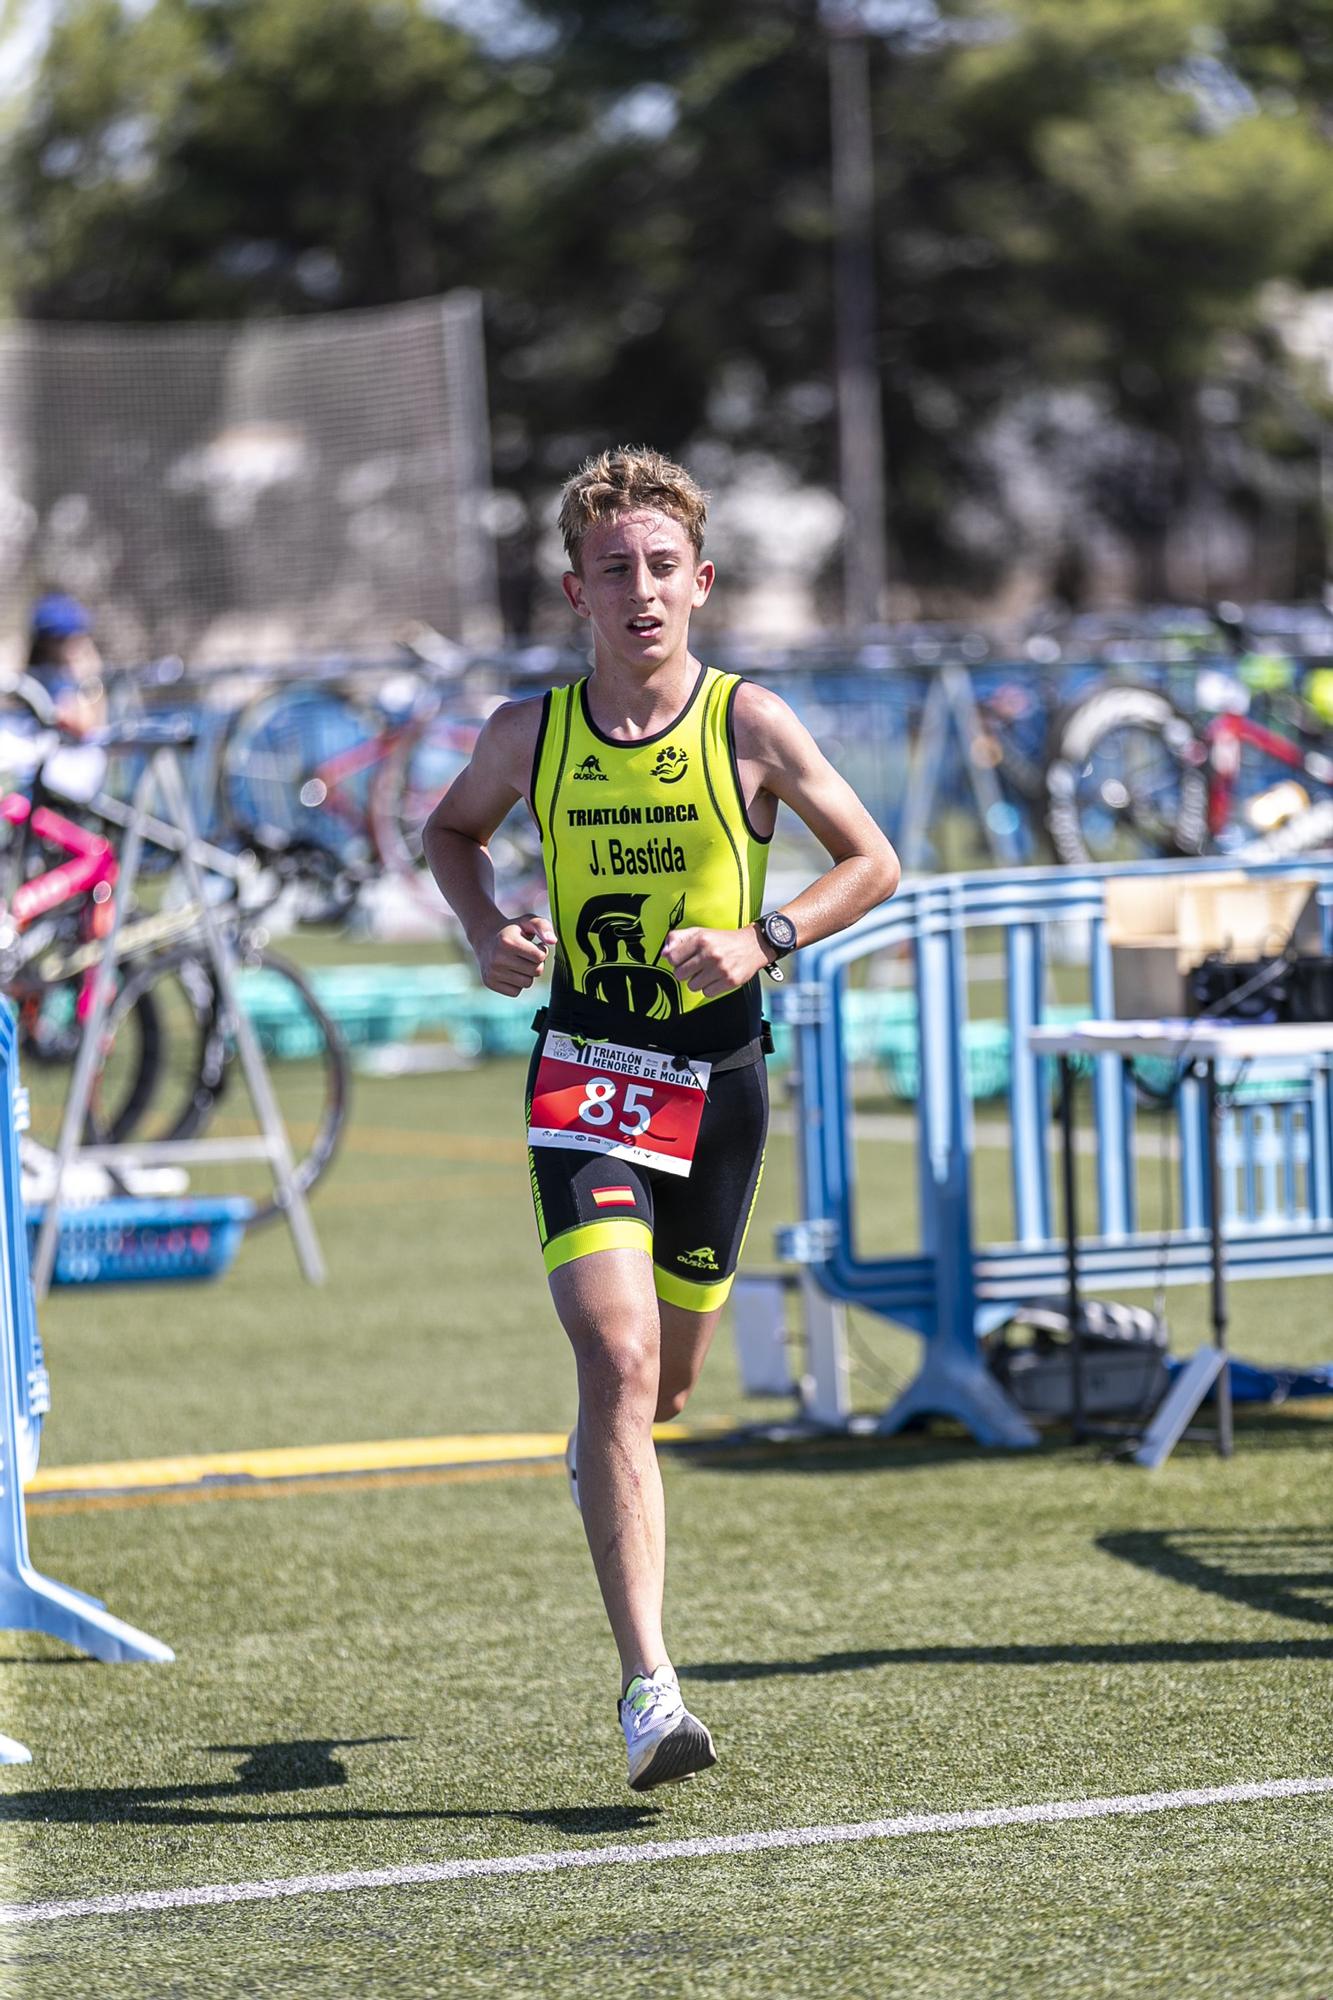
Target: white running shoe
point(665, 1742)
point(572, 1468)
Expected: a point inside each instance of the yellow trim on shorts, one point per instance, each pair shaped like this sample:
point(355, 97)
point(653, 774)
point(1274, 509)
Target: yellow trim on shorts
point(688, 1292)
point(621, 1232)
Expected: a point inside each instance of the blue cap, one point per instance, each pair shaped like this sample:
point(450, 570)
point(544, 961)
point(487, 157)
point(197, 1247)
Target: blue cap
point(56, 616)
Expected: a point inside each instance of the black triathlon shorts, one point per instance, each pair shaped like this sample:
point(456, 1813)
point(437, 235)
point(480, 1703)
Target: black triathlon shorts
point(693, 1226)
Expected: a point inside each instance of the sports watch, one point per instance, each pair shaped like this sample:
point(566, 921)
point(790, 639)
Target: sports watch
point(779, 934)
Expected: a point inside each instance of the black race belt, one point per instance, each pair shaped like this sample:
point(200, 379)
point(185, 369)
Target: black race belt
point(720, 1060)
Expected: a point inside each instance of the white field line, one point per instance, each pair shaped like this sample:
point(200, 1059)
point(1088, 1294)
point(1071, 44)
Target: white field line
point(552, 1861)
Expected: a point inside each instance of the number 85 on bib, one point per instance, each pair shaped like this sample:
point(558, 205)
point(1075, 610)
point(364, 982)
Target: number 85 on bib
point(637, 1104)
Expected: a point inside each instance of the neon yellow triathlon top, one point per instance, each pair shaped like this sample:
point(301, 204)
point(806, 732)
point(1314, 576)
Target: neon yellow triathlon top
point(640, 839)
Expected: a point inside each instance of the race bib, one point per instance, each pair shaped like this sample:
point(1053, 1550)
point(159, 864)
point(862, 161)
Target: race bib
point(597, 1097)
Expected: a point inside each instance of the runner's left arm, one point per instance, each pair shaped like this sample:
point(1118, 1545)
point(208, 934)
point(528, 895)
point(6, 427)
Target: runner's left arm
point(510, 950)
point(777, 755)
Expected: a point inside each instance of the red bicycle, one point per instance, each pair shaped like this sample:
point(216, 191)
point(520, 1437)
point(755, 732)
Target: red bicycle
point(351, 773)
point(1132, 774)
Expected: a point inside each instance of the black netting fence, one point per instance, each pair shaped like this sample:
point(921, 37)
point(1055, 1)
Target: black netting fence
point(261, 488)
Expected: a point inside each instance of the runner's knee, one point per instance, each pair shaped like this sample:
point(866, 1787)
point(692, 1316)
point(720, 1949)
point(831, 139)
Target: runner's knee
point(617, 1370)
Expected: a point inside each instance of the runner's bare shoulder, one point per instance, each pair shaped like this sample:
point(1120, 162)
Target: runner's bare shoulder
point(508, 743)
point(765, 723)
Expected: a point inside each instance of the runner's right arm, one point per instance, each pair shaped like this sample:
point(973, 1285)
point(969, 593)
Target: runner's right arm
point(510, 951)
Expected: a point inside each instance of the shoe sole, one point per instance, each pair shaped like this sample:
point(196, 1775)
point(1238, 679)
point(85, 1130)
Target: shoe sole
point(681, 1755)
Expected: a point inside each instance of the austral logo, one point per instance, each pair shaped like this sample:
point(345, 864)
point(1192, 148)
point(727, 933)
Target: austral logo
point(589, 768)
point(672, 764)
point(702, 1259)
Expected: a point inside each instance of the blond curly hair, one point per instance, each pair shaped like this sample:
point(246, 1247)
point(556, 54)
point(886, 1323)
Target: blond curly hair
point(623, 479)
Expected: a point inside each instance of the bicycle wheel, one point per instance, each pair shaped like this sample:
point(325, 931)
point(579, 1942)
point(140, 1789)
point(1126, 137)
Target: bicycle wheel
point(187, 1086)
point(412, 779)
point(1128, 779)
point(272, 783)
point(415, 775)
point(50, 1036)
point(179, 990)
point(308, 1072)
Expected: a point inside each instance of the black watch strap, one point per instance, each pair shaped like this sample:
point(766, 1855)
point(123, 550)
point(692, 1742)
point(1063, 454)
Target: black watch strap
point(778, 932)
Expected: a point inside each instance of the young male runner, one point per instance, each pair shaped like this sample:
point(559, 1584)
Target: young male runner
point(654, 785)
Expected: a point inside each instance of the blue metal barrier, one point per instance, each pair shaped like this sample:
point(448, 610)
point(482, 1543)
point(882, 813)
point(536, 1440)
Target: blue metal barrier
point(953, 1290)
point(30, 1602)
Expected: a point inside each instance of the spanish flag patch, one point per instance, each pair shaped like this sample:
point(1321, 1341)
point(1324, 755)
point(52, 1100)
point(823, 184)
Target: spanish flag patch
point(613, 1197)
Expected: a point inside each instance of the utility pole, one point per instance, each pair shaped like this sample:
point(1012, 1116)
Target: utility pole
point(860, 418)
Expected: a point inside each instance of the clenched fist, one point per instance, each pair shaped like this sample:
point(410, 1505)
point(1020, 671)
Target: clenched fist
point(714, 962)
point(512, 957)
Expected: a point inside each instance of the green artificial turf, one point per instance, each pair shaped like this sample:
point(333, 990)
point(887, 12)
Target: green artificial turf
point(422, 1671)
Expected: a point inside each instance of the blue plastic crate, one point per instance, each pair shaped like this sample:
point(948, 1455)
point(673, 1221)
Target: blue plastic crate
point(127, 1242)
point(370, 1005)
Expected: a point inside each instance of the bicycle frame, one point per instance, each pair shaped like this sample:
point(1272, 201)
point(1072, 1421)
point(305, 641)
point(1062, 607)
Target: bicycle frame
point(337, 771)
point(92, 865)
point(93, 861)
point(1225, 736)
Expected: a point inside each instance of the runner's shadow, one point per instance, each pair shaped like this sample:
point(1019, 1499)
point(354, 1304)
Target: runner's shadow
point(308, 1764)
point(586, 1820)
point(274, 1770)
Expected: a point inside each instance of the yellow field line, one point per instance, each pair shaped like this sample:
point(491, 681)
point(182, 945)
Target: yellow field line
point(279, 1489)
point(325, 1461)
point(359, 1468)
point(58, 1492)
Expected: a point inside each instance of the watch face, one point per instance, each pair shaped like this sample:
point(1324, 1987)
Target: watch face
point(780, 931)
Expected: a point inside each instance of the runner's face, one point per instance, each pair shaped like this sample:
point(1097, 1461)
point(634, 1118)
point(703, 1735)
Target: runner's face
point(638, 581)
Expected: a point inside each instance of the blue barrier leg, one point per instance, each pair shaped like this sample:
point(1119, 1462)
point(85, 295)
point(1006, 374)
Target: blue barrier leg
point(1029, 1090)
point(1114, 1095)
point(954, 1384)
point(954, 1380)
point(29, 1601)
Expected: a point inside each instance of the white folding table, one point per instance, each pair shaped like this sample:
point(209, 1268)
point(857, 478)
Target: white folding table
point(1199, 1045)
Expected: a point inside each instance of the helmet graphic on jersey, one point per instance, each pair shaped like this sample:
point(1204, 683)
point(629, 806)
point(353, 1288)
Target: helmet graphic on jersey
point(609, 932)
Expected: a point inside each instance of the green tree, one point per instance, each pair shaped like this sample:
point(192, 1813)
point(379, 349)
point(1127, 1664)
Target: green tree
point(216, 157)
point(1072, 198)
point(1093, 196)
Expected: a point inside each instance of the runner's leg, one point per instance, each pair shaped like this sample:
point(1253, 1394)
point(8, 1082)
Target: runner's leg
point(609, 1310)
point(686, 1339)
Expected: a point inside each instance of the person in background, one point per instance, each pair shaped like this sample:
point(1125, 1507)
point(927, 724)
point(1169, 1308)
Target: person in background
point(64, 660)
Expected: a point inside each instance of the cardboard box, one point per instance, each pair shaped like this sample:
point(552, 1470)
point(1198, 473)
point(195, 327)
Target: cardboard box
point(1161, 926)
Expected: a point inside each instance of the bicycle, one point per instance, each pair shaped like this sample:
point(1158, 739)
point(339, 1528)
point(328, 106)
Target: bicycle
point(1134, 773)
point(169, 1048)
point(353, 773)
point(1007, 714)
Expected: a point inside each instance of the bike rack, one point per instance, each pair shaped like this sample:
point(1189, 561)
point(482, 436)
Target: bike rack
point(953, 1290)
point(951, 708)
point(162, 778)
